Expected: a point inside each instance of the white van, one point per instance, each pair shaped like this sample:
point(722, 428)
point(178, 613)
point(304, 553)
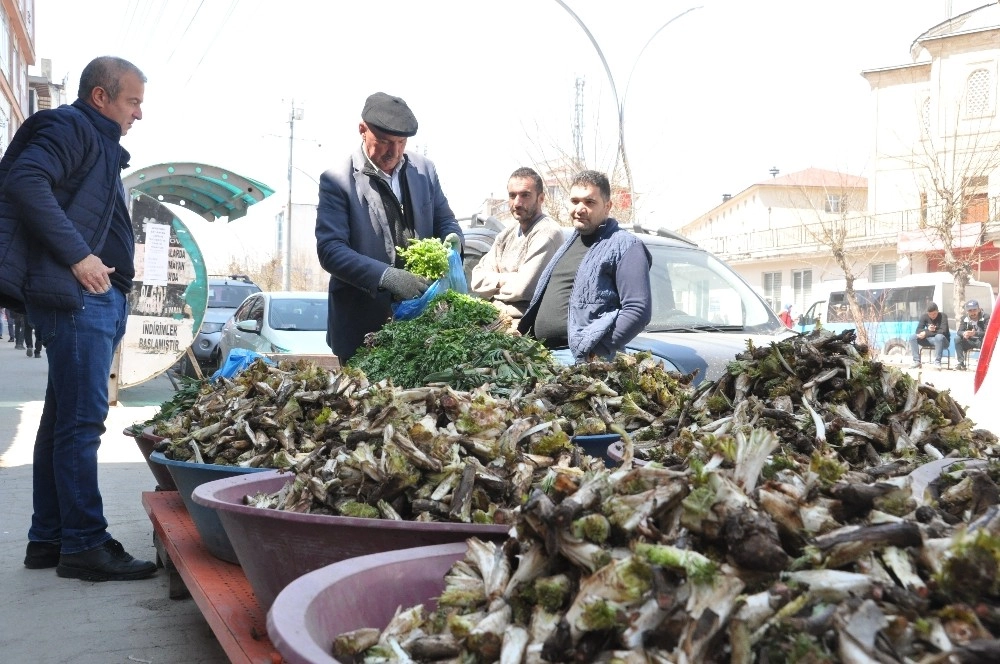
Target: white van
point(891, 309)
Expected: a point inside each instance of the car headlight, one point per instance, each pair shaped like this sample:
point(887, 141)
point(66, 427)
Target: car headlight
point(209, 328)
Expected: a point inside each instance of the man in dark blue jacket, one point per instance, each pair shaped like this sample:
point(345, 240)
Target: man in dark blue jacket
point(67, 259)
point(379, 198)
point(594, 295)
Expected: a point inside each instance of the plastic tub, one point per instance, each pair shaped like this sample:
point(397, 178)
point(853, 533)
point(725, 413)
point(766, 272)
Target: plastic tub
point(146, 440)
point(275, 547)
point(361, 592)
point(596, 445)
point(187, 475)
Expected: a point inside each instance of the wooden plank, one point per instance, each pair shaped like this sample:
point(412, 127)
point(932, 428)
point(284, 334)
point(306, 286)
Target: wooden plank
point(219, 588)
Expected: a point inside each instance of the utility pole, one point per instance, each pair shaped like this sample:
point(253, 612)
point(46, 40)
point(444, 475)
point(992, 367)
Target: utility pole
point(286, 235)
point(578, 125)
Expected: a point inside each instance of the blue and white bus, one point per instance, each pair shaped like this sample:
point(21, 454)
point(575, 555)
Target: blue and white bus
point(890, 310)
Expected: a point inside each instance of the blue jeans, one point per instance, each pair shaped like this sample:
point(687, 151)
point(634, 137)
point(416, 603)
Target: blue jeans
point(937, 342)
point(79, 346)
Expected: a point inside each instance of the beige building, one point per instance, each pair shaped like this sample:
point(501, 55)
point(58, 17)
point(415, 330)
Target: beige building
point(773, 233)
point(936, 163)
point(937, 144)
point(17, 53)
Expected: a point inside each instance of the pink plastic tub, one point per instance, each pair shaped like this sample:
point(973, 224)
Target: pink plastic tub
point(146, 440)
point(276, 547)
point(361, 592)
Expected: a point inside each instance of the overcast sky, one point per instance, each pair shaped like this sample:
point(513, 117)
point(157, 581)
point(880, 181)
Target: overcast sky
point(714, 101)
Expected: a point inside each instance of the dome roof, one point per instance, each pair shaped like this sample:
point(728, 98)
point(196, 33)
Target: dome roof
point(986, 17)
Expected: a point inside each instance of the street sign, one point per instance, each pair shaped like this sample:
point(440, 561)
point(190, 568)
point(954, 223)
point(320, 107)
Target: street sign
point(169, 293)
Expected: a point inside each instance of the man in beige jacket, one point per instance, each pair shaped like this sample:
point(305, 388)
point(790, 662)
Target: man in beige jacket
point(508, 273)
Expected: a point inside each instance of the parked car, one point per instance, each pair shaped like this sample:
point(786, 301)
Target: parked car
point(479, 232)
point(703, 311)
point(278, 322)
point(225, 294)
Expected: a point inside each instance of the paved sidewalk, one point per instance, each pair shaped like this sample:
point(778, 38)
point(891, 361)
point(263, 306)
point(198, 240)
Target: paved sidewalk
point(48, 620)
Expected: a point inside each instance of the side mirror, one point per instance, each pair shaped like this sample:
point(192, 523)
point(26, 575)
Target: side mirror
point(249, 325)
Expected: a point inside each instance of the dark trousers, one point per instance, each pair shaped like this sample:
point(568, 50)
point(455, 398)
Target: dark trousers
point(65, 494)
point(18, 329)
point(28, 330)
point(963, 346)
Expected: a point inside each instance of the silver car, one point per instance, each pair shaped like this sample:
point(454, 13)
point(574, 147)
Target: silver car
point(703, 311)
point(225, 294)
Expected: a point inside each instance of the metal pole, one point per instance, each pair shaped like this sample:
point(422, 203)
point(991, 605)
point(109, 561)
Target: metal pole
point(621, 156)
point(286, 263)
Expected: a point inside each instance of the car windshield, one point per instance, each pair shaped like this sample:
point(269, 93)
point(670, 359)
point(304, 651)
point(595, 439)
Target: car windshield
point(692, 290)
point(295, 314)
point(229, 296)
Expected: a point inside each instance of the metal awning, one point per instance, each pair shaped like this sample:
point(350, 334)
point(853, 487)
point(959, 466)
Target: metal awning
point(209, 191)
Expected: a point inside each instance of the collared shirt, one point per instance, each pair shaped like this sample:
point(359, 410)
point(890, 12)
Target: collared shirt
point(391, 178)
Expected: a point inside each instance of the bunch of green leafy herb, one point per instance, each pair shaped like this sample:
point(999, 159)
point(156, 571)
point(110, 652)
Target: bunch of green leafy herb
point(185, 397)
point(425, 258)
point(458, 340)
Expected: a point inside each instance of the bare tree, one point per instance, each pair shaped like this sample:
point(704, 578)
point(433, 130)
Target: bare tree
point(952, 173)
point(837, 222)
point(558, 167)
point(306, 275)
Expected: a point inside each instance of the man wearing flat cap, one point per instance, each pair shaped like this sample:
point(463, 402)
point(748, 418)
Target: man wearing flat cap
point(971, 331)
point(377, 200)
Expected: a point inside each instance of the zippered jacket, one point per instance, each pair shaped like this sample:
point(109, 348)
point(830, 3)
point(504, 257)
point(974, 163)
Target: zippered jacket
point(611, 301)
point(59, 180)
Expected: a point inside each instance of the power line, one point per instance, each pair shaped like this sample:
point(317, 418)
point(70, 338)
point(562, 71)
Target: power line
point(184, 34)
point(128, 18)
point(151, 31)
point(218, 31)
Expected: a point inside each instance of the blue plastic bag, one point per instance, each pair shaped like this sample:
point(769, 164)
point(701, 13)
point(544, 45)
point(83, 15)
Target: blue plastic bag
point(237, 360)
point(453, 280)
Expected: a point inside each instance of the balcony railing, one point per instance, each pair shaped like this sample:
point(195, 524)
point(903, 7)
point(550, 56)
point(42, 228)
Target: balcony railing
point(874, 229)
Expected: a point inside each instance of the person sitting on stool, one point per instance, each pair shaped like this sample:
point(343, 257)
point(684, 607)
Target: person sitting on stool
point(971, 331)
point(932, 332)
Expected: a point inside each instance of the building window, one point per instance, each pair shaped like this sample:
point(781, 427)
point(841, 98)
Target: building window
point(977, 94)
point(976, 205)
point(925, 117)
point(881, 272)
point(802, 286)
point(5, 43)
point(5, 130)
point(833, 203)
point(772, 289)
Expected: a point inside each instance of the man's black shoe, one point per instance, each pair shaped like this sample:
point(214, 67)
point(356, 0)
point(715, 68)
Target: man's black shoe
point(30, 352)
point(959, 367)
point(108, 562)
point(38, 353)
point(41, 555)
point(19, 347)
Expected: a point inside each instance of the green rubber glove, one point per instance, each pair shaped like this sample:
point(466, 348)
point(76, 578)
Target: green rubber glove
point(402, 284)
point(455, 241)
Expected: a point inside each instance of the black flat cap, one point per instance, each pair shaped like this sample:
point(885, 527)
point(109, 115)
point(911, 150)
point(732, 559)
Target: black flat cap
point(389, 114)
